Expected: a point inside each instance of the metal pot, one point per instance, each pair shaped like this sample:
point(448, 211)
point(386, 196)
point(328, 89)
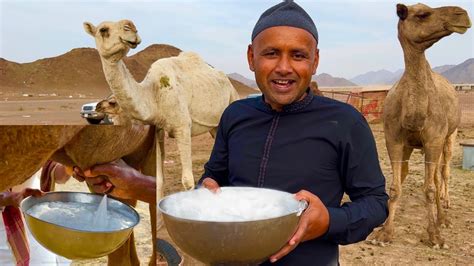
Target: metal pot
point(77, 244)
point(233, 243)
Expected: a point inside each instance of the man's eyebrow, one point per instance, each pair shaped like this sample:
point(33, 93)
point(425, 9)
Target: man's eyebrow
point(268, 49)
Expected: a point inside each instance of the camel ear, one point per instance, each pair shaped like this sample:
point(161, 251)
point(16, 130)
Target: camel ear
point(89, 28)
point(402, 11)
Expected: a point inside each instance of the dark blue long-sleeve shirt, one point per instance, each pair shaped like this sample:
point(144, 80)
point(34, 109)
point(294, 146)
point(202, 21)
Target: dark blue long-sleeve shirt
point(317, 144)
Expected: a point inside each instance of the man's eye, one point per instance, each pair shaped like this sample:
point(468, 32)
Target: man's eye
point(271, 53)
point(299, 56)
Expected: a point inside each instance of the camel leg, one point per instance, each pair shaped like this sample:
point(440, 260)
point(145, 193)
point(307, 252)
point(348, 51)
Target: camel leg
point(446, 168)
point(160, 156)
point(150, 168)
point(442, 218)
point(432, 157)
point(406, 157)
point(125, 255)
point(183, 139)
point(153, 212)
point(397, 153)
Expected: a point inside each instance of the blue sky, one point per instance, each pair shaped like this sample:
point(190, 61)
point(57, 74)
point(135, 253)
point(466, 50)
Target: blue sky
point(355, 36)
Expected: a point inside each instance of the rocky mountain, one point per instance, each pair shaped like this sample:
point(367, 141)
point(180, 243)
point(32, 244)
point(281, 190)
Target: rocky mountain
point(80, 71)
point(326, 80)
point(373, 77)
point(242, 79)
point(443, 68)
point(461, 73)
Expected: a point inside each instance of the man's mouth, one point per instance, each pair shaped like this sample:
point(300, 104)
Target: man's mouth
point(283, 85)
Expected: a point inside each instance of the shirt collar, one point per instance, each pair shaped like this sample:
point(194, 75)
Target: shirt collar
point(292, 107)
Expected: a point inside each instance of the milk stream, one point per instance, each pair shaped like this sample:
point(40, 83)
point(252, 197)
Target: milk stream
point(100, 219)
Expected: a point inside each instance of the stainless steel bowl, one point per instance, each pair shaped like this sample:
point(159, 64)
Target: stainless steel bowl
point(77, 244)
point(232, 243)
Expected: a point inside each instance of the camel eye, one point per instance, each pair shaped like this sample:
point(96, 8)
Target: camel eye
point(423, 15)
point(104, 32)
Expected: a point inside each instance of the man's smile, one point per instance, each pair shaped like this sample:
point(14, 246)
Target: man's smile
point(282, 85)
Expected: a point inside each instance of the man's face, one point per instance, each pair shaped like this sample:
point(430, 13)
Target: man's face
point(284, 60)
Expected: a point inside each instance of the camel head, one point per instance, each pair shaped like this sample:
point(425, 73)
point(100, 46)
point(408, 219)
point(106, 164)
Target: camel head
point(421, 26)
point(109, 106)
point(114, 39)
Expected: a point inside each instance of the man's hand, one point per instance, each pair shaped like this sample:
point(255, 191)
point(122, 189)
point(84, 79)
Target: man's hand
point(314, 222)
point(119, 180)
point(211, 184)
point(14, 198)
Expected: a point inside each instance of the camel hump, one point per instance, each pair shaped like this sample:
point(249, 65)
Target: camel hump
point(191, 57)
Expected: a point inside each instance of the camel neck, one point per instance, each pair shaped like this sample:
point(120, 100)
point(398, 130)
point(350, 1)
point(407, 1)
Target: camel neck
point(118, 76)
point(417, 83)
point(417, 68)
point(128, 92)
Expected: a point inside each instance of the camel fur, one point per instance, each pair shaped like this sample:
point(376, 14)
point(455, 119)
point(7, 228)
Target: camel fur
point(181, 95)
point(421, 111)
point(26, 148)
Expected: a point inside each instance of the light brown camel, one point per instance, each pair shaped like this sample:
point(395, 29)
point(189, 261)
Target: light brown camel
point(182, 95)
point(421, 111)
point(26, 148)
point(115, 113)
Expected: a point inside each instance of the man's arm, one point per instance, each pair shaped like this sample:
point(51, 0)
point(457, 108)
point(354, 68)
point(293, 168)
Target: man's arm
point(10, 198)
point(364, 182)
point(119, 180)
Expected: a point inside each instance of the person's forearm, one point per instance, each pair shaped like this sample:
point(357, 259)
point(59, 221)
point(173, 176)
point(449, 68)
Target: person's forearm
point(145, 189)
point(354, 221)
point(5, 199)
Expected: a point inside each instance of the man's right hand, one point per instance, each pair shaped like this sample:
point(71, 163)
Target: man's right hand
point(211, 184)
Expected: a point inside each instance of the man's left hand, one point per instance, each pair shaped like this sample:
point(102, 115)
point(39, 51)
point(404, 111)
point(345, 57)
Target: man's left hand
point(10, 198)
point(314, 222)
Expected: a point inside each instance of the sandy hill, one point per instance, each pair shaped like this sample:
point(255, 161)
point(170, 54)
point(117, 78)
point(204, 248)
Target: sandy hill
point(80, 71)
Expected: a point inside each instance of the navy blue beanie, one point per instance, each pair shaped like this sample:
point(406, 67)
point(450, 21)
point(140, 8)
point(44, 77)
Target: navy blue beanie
point(286, 13)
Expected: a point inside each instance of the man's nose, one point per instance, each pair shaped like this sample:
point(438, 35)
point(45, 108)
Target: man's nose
point(284, 66)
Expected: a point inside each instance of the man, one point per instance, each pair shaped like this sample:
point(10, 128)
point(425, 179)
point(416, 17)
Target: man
point(291, 140)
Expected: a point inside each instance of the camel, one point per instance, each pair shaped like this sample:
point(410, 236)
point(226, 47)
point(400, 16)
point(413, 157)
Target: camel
point(26, 148)
point(113, 110)
point(181, 95)
point(421, 112)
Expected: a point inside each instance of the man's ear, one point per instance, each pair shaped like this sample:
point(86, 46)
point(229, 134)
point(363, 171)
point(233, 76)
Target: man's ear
point(89, 28)
point(316, 61)
point(250, 58)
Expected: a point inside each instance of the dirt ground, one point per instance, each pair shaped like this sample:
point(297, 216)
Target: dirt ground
point(64, 109)
point(19, 110)
point(143, 237)
point(410, 245)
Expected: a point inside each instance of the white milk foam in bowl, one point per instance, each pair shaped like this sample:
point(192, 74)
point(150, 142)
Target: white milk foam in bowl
point(81, 216)
point(231, 204)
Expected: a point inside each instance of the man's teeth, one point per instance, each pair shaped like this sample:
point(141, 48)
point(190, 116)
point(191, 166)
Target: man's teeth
point(282, 82)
